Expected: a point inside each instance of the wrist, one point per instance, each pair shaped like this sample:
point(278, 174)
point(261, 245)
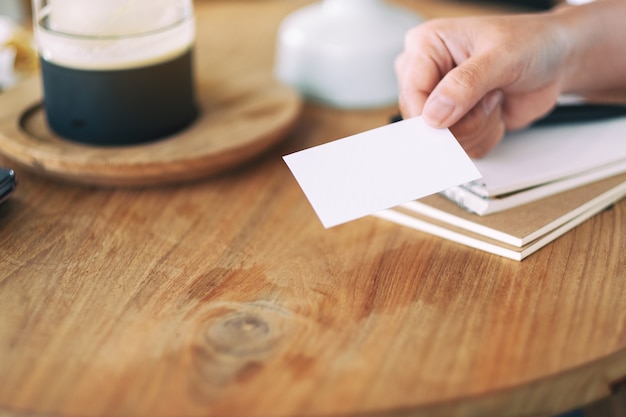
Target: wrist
point(575, 35)
point(594, 55)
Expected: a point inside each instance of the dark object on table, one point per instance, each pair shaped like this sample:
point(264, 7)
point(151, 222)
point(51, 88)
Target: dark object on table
point(7, 183)
point(570, 113)
point(529, 4)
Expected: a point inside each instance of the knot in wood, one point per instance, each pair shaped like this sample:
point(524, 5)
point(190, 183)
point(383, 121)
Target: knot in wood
point(243, 334)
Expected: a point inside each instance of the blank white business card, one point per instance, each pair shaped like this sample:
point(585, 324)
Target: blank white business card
point(381, 168)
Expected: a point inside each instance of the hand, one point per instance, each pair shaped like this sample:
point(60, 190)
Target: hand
point(482, 76)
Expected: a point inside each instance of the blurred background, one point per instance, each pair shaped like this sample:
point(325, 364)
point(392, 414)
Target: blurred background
point(17, 10)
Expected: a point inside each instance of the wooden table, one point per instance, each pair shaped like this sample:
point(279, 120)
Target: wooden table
point(226, 297)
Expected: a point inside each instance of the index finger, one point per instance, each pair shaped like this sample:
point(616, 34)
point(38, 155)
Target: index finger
point(419, 69)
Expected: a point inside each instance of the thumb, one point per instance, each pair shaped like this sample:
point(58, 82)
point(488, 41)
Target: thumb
point(460, 90)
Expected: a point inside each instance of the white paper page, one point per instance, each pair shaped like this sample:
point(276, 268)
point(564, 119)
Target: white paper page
point(542, 154)
point(356, 176)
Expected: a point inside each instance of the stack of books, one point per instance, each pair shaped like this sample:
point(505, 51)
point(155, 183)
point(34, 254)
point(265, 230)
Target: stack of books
point(537, 184)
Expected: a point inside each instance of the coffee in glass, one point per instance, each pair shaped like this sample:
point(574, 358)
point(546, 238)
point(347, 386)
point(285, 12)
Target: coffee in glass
point(116, 72)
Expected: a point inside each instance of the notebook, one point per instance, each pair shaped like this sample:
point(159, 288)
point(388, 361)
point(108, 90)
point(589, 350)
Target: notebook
point(540, 161)
point(514, 233)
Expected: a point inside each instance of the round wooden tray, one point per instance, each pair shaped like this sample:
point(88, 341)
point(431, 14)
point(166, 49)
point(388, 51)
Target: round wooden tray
point(244, 111)
point(237, 122)
point(229, 131)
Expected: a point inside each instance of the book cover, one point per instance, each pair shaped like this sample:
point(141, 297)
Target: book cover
point(540, 155)
point(482, 205)
point(515, 233)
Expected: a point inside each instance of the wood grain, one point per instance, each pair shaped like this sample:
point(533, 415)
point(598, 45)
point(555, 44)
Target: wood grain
point(226, 297)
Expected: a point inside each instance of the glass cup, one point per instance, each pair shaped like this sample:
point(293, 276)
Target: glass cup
point(116, 72)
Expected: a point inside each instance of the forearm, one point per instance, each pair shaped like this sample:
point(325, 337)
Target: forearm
point(597, 58)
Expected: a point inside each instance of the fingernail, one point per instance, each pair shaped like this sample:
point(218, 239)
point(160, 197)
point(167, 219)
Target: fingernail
point(492, 100)
point(438, 109)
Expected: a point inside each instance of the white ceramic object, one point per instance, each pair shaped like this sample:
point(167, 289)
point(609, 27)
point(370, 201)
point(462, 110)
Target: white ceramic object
point(342, 52)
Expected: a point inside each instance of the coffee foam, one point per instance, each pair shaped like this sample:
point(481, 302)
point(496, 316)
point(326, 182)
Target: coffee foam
point(114, 34)
point(114, 17)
